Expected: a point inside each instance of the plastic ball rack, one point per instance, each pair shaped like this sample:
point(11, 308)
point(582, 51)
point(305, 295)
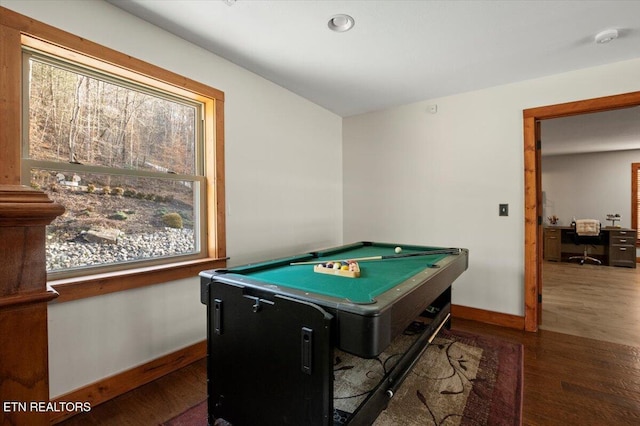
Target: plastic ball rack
point(352, 272)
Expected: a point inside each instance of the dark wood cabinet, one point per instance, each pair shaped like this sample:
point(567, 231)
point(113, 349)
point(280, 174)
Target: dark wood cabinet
point(552, 244)
point(622, 248)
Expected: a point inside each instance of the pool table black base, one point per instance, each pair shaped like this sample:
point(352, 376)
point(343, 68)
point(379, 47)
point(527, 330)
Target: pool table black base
point(270, 359)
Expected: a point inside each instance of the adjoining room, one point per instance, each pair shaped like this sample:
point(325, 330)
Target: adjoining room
point(589, 170)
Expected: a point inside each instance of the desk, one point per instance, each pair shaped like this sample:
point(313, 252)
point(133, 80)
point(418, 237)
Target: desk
point(617, 248)
point(272, 327)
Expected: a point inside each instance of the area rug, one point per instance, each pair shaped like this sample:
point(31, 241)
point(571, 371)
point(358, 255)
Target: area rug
point(461, 379)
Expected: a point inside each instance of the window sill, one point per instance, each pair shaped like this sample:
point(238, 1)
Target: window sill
point(100, 284)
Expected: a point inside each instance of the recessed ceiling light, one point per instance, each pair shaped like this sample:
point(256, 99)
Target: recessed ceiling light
point(606, 36)
point(341, 23)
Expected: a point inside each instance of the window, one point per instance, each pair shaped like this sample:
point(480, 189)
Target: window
point(134, 153)
point(124, 160)
point(635, 195)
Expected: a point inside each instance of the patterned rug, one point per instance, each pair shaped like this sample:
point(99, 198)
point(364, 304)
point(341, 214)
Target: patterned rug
point(461, 379)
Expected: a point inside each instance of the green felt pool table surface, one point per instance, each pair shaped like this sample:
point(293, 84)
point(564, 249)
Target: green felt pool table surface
point(376, 277)
point(366, 312)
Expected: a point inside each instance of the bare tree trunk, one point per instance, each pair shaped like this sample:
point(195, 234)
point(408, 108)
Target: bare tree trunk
point(89, 122)
point(73, 128)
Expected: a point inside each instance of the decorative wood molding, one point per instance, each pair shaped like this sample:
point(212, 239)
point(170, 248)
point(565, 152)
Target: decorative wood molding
point(28, 298)
point(488, 317)
point(24, 371)
point(23, 206)
point(113, 386)
point(24, 213)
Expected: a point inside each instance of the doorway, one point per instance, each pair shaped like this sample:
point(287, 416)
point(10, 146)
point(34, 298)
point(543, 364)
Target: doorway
point(533, 191)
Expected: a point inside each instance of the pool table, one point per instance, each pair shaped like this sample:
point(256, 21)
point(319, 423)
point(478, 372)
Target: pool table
point(277, 323)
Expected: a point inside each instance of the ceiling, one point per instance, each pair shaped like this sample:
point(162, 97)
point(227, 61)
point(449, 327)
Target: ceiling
point(399, 52)
point(617, 130)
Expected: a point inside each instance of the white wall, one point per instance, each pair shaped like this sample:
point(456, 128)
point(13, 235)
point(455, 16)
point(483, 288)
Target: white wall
point(588, 186)
point(414, 176)
point(282, 197)
point(97, 337)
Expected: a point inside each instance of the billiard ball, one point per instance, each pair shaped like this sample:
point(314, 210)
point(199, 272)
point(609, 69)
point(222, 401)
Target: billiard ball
point(398, 249)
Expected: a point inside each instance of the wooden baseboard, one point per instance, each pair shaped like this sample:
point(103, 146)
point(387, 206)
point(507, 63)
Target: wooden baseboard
point(110, 387)
point(488, 317)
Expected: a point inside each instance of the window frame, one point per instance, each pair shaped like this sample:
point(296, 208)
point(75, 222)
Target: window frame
point(197, 176)
point(18, 31)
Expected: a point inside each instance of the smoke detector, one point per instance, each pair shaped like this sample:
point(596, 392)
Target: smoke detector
point(606, 36)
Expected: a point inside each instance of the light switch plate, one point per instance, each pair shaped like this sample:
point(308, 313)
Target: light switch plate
point(503, 210)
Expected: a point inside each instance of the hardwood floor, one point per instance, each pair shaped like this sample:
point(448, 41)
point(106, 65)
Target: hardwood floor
point(599, 302)
point(151, 404)
point(572, 380)
point(568, 380)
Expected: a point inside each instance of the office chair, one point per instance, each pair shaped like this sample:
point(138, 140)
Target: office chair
point(586, 232)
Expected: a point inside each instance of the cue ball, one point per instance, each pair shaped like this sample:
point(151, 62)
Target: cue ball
point(398, 249)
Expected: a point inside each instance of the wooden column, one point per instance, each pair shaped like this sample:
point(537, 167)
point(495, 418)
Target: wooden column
point(24, 371)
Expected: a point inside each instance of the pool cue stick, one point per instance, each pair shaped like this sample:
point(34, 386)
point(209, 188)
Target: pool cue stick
point(397, 381)
point(358, 259)
point(386, 257)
